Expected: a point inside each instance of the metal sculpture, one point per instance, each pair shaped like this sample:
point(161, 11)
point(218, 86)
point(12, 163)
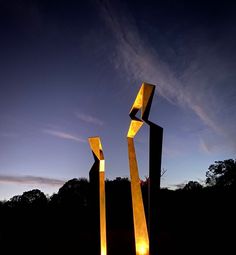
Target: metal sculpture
point(143, 245)
point(97, 177)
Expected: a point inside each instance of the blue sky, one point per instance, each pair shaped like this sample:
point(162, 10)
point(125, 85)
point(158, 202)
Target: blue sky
point(71, 70)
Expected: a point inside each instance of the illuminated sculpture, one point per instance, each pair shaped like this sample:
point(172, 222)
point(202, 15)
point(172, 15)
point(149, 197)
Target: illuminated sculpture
point(97, 176)
point(143, 102)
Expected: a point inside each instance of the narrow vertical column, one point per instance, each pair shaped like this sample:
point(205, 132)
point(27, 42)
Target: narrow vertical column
point(139, 219)
point(102, 203)
point(155, 153)
point(97, 175)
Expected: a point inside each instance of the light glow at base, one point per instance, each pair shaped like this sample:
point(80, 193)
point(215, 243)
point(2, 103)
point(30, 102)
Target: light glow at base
point(103, 251)
point(142, 248)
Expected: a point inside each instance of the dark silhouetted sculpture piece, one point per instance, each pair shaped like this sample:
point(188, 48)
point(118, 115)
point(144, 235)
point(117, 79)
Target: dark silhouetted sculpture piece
point(144, 243)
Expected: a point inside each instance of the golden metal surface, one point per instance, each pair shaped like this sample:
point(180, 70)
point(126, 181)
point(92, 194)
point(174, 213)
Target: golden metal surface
point(142, 102)
point(134, 127)
point(139, 219)
point(96, 147)
point(143, 99)
point(102, 203)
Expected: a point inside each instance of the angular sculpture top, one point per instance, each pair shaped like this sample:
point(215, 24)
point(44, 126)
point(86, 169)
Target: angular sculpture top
point(96, 147)
point(142, 102)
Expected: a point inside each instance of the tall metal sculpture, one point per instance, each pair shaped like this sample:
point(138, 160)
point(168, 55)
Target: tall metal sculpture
point(97, 177)
point(145, 243)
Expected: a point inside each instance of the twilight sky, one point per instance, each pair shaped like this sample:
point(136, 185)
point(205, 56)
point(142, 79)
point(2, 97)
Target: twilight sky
point(71, 69)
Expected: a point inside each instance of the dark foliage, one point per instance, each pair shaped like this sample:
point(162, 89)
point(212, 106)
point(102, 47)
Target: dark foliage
point(222, 174)
point(193, 186)
point(29, 199)
point(194, 219)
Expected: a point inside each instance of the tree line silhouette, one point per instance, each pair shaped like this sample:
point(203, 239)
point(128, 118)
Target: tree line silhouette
point(193, 219)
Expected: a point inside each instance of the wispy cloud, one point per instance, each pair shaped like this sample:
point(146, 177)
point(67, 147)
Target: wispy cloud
point(8, 134)
point(33, 180)
point(204, 84)
point(89, 119)
point(138, 58)
point(209, 144)
point(64, 135)
point(178, 186)
point(205, 146)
